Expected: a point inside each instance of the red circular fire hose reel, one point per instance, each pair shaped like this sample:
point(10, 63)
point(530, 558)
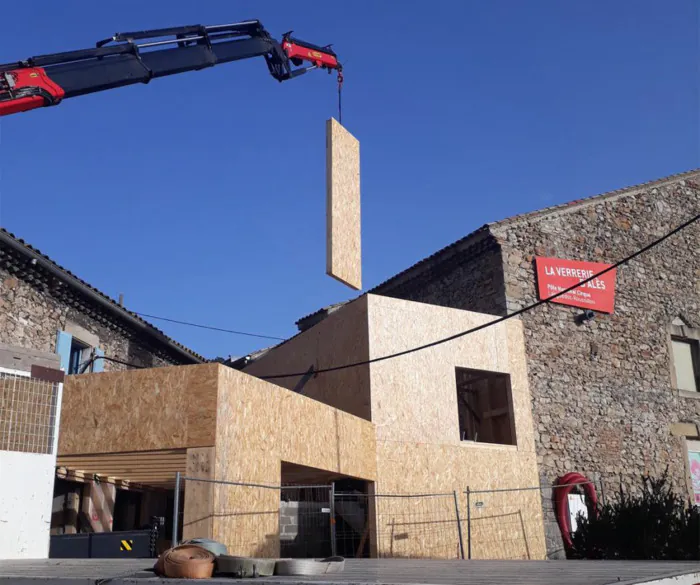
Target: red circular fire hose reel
point(563, 487)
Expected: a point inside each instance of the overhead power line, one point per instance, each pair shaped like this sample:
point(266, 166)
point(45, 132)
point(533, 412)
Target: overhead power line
point(86, 365)
point(234, 332)
point(495, 321)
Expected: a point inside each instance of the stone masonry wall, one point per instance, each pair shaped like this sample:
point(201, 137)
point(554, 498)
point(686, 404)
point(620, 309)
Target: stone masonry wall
point(603, 402)
point(470, 278)
point(31, 318)
point(602, 396)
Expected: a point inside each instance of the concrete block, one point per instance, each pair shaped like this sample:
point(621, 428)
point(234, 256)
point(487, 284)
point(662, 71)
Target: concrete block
point(285, 520)
point(288, 519)
point(343, 231)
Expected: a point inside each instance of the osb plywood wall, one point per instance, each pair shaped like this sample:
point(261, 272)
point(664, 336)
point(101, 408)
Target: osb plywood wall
point(258, 426)
point(139, 410)
point(339, 339)
point(343, 237)
point(197, 518)
point(504, 525)
point(414, 407)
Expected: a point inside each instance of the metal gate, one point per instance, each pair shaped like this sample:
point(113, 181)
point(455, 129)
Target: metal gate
point(306, 521)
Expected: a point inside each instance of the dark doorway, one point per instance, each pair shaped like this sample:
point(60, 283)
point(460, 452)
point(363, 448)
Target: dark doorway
point(127, 510)
point(352, 518)
point(323, 513)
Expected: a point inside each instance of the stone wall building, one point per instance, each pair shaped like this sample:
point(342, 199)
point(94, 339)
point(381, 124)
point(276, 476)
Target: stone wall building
point(605, 394)
point(46, 309)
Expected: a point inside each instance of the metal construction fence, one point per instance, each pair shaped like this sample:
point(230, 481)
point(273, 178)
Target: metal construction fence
point(399, 525)
point(515, 523)
point(304, 521)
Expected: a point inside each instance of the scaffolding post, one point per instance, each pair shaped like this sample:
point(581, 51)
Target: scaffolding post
point(459, 526)
point(332, 508)
point(176, 508)
point(469, 523)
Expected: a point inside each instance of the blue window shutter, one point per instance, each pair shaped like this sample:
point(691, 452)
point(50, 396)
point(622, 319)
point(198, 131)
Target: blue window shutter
point(98, 365)
point(63, 343)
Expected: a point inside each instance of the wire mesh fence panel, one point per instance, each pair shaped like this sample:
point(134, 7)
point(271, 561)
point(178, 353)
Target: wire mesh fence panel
point(518, 523)
point(27, 414)
point(506, 525)
point(353, 533)
point(257, 520)
point(397, 526)
point(420, 526)
point(305, 522)
point(555, 543)
point(316, 521)
point(243, 517)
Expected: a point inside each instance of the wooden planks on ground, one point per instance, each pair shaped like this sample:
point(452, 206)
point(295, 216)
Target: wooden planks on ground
point(375, 571)
point(343, 227)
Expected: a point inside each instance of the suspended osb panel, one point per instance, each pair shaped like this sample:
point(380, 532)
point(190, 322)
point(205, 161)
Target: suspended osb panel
point(343, 231)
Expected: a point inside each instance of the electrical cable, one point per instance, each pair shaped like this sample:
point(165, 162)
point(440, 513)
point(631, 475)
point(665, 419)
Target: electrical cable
point(84, 366)
point(625, 260)
point(208, 327)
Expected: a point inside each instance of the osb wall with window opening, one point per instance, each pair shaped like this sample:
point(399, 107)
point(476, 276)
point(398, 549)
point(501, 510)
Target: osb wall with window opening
point(415, 410)
point(413, 405)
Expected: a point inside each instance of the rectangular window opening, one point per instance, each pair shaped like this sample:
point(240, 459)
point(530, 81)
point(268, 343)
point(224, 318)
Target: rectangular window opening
point(686, 363)
point(485, 407)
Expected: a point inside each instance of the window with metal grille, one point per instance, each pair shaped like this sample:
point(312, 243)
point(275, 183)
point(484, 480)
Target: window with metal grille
point(485, 407)
point(27, 414)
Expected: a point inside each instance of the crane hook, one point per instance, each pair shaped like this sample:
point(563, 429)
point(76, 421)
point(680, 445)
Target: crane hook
point(340, 94)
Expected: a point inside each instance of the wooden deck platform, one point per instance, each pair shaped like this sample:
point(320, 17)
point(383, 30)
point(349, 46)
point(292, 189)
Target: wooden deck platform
point(374, 572)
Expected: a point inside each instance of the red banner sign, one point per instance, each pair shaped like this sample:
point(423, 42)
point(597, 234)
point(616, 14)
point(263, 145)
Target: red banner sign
point(555, 275)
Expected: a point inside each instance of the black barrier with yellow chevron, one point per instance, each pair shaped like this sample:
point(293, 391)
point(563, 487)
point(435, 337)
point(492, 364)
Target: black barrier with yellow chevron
point(134, 544)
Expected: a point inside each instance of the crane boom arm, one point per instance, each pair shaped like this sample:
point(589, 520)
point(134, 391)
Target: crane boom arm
point(139, 57)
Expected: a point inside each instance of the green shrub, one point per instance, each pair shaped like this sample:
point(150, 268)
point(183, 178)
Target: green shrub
point(655, 524)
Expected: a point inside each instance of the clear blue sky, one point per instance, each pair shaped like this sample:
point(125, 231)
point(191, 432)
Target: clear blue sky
point(202, 196)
